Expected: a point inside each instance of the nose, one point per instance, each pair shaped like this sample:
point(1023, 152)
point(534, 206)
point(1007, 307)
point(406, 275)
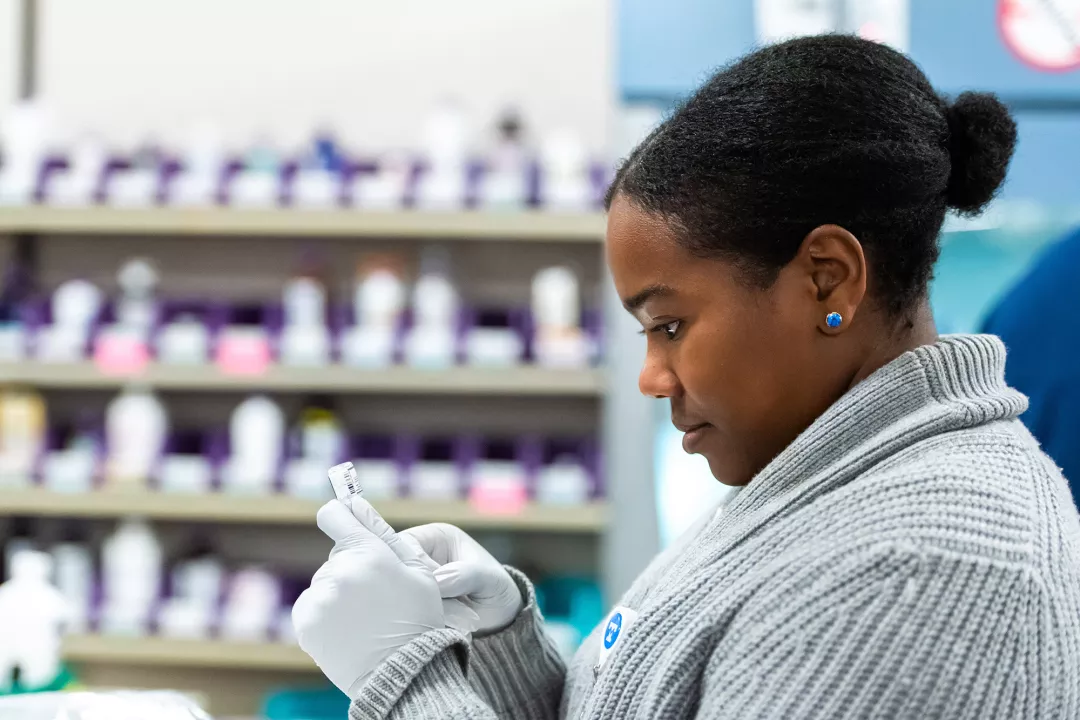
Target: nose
point(656, 379)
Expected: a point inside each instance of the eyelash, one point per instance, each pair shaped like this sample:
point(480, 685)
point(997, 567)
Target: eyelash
point(663, 329)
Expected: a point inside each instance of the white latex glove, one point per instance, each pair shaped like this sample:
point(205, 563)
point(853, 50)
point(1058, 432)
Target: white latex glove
point(467, 571)
point(372, 596)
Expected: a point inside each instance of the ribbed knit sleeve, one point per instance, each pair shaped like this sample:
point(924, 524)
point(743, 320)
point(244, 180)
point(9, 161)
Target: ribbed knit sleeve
point(891, 633)
point(514, 673)
point(518, 670)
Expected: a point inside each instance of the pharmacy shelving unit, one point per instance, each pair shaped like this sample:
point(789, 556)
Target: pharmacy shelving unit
point(201, 252)
point(523, 381)
point(285, 510)
point(289, 223)
point(183, 653)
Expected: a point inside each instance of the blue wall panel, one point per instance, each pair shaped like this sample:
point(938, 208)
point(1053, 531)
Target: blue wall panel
point(957, 43)
point(666, 47)
point(1046, 167)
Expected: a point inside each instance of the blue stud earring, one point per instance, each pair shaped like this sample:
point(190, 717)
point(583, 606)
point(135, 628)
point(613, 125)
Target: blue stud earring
point(833, 319)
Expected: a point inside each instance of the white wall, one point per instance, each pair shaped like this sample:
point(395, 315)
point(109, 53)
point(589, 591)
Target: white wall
point(9, 51)
point(129, 69)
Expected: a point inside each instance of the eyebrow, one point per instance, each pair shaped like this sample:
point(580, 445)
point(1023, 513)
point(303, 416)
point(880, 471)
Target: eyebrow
point(635, 301)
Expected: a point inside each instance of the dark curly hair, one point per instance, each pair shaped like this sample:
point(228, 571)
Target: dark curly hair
point(818, 130)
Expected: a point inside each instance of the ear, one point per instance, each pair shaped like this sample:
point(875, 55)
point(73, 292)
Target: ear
point(836, 266)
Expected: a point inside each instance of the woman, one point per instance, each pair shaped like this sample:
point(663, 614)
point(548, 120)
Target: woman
point(902, 548)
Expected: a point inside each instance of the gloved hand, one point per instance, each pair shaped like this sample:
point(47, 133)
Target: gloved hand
point(469, 572)
point(372, 596)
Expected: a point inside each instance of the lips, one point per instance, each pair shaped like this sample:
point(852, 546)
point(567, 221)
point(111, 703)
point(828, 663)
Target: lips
point(685, 427)
point(693, 435)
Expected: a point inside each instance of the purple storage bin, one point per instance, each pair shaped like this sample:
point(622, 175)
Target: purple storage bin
point(211, 315)
point(474, 174)
point(38, 315)
point(113, 167)
point(600, 176)
point(229, 170)
point(292, 169)
point(210, 444)
point(583, 449)
point(515, 449)
point(268, 316)
point(434, 448)
point(516, 319)
point(593, 326)
point(520, 450)
point(533, 180)
point(461, 326)
point(170, 169)
point(288, 172)
point(235, 165)
point(51, 166)
point(419, 167)
point(59, 436)
point(380, 448)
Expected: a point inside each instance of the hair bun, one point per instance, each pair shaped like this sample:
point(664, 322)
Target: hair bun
point(982, 137)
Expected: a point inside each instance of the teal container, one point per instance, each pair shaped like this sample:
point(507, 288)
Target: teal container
point(306, 704)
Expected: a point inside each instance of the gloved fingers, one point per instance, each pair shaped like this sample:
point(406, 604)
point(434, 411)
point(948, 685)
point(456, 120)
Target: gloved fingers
point(339, 524)
point(458, 579)
point(305, 612)
point(459, 616)
point(412, 542)
point(370, 518)
point(433, 540)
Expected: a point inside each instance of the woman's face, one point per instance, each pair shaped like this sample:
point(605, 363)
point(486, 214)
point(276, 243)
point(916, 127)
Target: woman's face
point(746, 369)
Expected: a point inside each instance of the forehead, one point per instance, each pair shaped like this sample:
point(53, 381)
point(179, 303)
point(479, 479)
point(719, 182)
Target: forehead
point(642, 249)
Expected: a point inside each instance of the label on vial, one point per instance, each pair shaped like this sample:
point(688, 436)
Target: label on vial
point(344, 480)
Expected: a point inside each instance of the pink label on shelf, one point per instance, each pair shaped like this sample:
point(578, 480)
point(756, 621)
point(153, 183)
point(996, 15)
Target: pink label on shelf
point(243, 354)
point(498, 498)
point(120, 354)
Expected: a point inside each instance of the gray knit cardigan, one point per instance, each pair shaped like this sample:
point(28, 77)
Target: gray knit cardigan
point(913, 554)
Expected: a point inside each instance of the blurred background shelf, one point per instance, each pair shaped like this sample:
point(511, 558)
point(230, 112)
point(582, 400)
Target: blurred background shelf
point(285, 222)
point(333, 378)
point(186, 653)
point(283, 510)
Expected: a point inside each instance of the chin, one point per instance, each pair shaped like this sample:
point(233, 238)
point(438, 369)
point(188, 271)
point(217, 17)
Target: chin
point(728, 473)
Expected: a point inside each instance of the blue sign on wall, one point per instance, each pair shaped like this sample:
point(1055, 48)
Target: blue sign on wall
point(666, 49)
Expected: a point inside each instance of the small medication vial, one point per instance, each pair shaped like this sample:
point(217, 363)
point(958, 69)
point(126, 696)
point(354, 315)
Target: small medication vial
point(343, 478)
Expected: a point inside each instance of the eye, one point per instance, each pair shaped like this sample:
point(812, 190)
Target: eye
point(669, 329)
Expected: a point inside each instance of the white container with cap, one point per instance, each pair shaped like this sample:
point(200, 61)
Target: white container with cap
point(556, 308)
point(305, 339)
point(131, 573)
point(256, 437)
point(74, 576)
point(32, 615)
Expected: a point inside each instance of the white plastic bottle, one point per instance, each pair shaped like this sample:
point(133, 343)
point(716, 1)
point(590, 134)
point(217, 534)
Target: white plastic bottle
point(75, 306)
point(565, 173)
point(432, 341)
point(256, 438)
point(252, 608)
point(131, 570)
point(32, 617)
point(556, 309)
point(378, 302)
point(136, 425)
point(74, 576)
point(305, 339)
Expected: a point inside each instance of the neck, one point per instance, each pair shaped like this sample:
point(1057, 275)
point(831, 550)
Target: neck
point(918, 329)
